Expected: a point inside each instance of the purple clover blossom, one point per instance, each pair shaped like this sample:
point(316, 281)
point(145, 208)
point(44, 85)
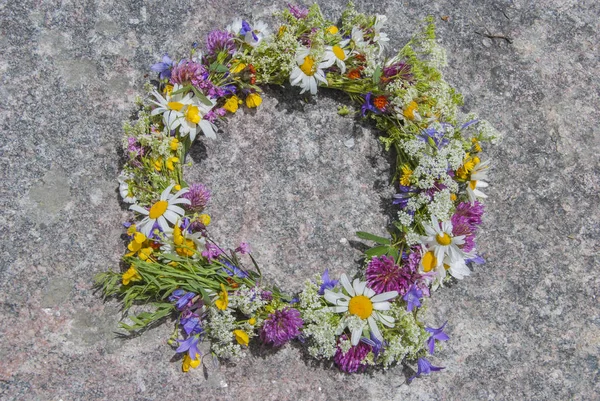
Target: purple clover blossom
point(460, 226)
point(190, 345)
point(212, 252)
point(436, 334)
point(383, 275)
point(163, 68)
point(133, 147)
point(298, 11)
point(424, 367)
point(399, 69)
point(217, 41)
point(281, 326)
point(328, 284)
point(473, 213)
point(199, 196)
point(412, 298)
point(267, 296)
point(352, 361)
point(244, 248)
point(190, 71)
point(368, 105)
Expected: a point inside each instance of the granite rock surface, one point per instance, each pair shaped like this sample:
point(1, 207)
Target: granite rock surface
point(296, 181)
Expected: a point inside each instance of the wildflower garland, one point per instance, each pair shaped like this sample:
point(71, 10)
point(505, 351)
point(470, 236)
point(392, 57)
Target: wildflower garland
point(373, 319)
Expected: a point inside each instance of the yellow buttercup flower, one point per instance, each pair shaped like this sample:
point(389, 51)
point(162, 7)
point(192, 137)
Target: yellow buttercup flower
point(158, 164)
point(170, 162)
point(204, 219)
point(223, 301)
point(241, 337)
point(410, 111)
point(190, 363)
point(237, 68)
point(131, 275)
point(253, 100)
point(137, 241)
point(252, 321)
point(174, 145)
point(231, 105)
point(333, 29)
point(406, 173)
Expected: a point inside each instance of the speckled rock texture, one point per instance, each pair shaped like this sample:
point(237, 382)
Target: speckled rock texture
point(296, 180)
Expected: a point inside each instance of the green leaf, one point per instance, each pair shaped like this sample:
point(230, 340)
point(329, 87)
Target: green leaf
point(377, 75)
point(201, 96)
point(377, 251)
point(184, 89)
point(372, 237)
point(218, 67)
point(255, 265)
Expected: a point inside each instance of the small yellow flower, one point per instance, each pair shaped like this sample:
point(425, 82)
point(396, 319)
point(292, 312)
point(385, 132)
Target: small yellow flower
point(410, 110)
point(131, 230)
point(190, 363)
point(168, 89)
point(253, 100)
point(453, 197)
point(241, 337)
point(231, 105)
point(476, 144)
point(223, 300)
point(137, 241)
point(176, 187)
point(252, 321)
point(131, 275)
point(146, 253)
point(333, 29)
point(158, 164)
point(170, 162)
point(282, 30)
point(204, 219)
point(236, 68)
point(174, 144)
point(406, 173)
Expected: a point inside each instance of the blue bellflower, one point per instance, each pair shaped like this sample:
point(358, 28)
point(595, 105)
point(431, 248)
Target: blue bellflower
point(436, 334)
point(424, 367)
point(412, 298)
point(163, 68)
point(247, 28)
point(233, 270)
point(368, 105)
point(328, 284)
point(190, 345)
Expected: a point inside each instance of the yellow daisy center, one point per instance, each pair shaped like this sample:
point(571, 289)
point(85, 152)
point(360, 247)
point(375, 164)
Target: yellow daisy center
point(473, 184)
point(192, 114)
point(339, 53)
point(429, 261)
point(158, 209)
point(360, 306)
point(443, 239)
point(308, 66)
point(177, 106)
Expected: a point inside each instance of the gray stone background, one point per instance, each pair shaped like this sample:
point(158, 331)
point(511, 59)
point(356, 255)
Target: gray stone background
point(289, 179)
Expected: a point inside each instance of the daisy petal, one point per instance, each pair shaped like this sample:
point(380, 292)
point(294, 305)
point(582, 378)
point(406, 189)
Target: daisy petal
point(356, 335)
point(374, 329)
point(139, 209)
point(346, 284)
point(165, 194)
point(384, 296)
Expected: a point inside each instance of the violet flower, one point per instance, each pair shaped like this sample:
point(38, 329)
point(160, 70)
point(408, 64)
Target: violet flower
point(212, 252)
point(164, 67)
point(383, 275)
point(436, 334)
point(412, 298)
point(368, 105)
point(199, 196)
point(244, 248)
point(328, 284)
point(190, 345)
point(424, 367)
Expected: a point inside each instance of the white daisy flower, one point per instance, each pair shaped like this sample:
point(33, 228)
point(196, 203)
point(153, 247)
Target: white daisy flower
point(193, 122)
point(171, 107)
point(125, 189)
point(379, 37)
point(165, 209)
point(362, 302)
point(478, 174)
point(358, 38)
point(441, 241)
point(307, 72)
point(336, 55)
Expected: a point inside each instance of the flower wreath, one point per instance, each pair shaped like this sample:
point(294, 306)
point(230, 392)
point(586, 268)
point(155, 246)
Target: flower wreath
point(373, 320)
